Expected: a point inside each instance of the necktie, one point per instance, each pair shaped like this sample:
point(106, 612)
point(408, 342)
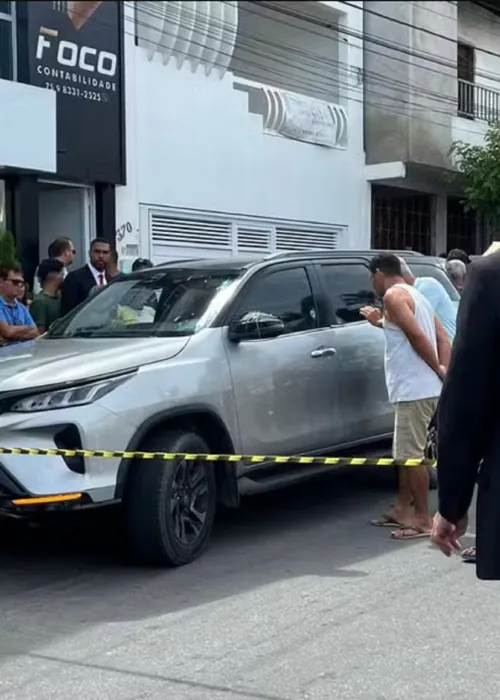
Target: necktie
point(101, 280)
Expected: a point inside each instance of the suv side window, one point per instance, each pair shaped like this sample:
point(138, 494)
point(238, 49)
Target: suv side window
point(349, 288)
point(286, 294)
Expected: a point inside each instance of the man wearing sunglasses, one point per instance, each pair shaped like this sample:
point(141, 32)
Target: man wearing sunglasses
point(61, 249)
point(16, 324)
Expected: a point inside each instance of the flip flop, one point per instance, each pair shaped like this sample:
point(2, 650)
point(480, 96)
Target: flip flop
point(409, 532)
point(469, 555)
point(385, 520)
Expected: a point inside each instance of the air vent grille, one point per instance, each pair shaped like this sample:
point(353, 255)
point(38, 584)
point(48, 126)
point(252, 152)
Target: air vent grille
point(190, 233)
point(253, 239)
point(289, 239)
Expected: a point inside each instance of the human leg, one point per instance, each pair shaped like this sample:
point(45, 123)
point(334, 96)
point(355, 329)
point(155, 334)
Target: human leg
point(402, 510)
point(415, 417)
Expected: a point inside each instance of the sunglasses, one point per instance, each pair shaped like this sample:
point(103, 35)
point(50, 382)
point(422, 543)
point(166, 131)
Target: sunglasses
point(16, 283)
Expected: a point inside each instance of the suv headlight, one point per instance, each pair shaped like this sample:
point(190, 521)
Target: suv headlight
point(68, 397)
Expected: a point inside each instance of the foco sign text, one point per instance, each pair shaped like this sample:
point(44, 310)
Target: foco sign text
point(70, 55)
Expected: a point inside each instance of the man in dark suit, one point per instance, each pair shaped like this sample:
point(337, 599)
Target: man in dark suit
point(78, 284)
point(469, 423)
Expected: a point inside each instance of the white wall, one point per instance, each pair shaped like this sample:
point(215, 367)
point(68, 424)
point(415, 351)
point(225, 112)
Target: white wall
point(193, 144)
point(27, 127)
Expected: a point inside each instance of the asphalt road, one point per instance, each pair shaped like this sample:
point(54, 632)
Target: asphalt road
point(298, 597)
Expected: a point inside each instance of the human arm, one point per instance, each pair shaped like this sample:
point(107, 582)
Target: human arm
point(468, 402)
point(17, 332)
point(443, 344)
point(372, 315)
point(26, 330)
point(39, 314)
point(399, 310)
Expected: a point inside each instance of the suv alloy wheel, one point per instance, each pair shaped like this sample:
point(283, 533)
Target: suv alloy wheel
point(169, 506)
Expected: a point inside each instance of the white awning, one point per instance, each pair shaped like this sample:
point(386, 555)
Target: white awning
point(28, 139)
point(385, 171)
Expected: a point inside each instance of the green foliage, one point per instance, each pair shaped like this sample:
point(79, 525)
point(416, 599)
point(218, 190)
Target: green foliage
point(480, 165)
point(8, 252)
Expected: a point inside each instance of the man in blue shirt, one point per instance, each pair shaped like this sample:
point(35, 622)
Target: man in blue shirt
point(16, 324)
point(437, 296)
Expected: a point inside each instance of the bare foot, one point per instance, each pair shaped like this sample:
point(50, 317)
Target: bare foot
point(424, 524)
point(402, 515)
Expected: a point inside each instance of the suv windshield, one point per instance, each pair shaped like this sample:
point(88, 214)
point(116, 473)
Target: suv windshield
point(176, 302)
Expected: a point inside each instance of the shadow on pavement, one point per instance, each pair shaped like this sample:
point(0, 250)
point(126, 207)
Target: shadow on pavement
point(73, 574)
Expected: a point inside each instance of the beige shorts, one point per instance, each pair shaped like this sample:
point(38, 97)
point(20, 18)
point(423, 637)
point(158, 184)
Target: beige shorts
point(411, 423)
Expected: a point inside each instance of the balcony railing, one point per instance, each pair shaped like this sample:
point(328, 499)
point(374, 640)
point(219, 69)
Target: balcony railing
point(477, 102)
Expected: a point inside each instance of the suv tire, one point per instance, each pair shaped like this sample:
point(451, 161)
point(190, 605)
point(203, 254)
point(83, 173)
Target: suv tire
point(169, 506)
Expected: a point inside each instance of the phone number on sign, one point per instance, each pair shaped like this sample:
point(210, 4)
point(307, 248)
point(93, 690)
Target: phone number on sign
point(78, 92)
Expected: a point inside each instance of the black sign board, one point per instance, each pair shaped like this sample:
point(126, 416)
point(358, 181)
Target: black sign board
point(76, 49)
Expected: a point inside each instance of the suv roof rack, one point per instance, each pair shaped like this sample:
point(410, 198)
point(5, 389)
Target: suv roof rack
point(175, 261)
point(335, 251)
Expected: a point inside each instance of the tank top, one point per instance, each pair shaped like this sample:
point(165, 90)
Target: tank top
point(408, 377)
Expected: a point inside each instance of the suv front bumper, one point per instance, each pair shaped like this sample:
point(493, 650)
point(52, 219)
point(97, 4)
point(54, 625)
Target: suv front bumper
point(24, 476)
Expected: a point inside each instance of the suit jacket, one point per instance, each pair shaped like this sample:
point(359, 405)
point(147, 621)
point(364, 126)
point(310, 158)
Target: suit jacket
point(76, 288)
point(469, 415)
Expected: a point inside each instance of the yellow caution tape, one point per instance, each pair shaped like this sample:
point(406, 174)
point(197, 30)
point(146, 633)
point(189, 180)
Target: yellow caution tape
point(204, 457)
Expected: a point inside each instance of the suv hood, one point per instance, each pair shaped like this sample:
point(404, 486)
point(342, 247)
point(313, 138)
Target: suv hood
point(65, 360)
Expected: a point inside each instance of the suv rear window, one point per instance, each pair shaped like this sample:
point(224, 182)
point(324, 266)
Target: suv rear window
point(422, 269)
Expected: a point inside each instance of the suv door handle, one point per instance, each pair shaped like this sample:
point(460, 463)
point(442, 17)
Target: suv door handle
point(323, 352)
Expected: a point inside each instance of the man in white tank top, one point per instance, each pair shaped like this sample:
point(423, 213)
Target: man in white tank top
point(417, 353)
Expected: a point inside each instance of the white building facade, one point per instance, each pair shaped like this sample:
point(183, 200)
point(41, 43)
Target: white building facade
point(244, 125)
point(432, 78)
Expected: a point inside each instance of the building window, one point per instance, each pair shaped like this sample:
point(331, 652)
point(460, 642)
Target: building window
point(466, 74)
point(5, 7)
point(401, 220)
point(287, 48)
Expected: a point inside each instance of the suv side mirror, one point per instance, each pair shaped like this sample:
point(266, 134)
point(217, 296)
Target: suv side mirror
point(255, 325)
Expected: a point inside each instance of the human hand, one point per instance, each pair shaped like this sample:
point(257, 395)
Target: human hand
point(446, 536)
point(442, 371)
point(371, 314)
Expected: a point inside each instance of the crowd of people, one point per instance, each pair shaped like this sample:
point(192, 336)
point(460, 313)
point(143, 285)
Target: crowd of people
point(57, 289)
point(419, 321)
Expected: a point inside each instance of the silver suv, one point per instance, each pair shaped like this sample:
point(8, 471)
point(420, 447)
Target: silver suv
point(264, 356)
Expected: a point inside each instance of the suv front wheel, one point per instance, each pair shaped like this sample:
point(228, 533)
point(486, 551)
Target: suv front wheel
point(169, 506)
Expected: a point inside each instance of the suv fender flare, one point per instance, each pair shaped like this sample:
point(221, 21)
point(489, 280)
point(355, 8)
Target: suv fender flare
point(228, 494)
